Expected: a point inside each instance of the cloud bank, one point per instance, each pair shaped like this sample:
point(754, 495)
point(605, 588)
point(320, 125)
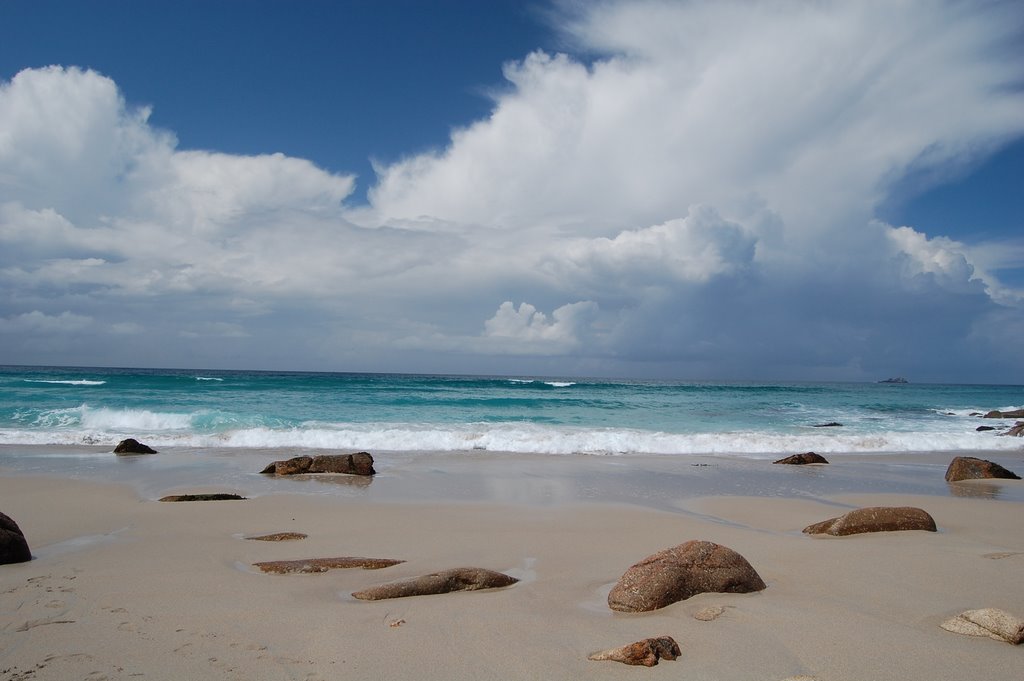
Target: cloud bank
point(691, 193)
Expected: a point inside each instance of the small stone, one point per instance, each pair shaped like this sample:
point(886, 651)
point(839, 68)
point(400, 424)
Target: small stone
point(202, 497)
point(316, 565)
point(991, 622)
point(709, 613)
point(802, 459)
point(279, 536)
point(646, 652)
point(875, 519)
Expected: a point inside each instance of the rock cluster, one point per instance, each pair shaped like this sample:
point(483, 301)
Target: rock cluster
point(875, 519)
point(360, 463)
point(646, 652)
point(680, 572)
point(13, 545)
point(971, 468)
point(446, 581)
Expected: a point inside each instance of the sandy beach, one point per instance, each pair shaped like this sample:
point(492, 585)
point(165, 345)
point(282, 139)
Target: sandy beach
point(123, 586)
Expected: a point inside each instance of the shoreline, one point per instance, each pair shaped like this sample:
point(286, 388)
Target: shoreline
point(124, 586)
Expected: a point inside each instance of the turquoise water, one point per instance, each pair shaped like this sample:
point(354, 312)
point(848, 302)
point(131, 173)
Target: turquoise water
point(242, 409)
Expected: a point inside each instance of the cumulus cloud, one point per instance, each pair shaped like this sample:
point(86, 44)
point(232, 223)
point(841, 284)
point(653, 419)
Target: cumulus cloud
point(691, 191)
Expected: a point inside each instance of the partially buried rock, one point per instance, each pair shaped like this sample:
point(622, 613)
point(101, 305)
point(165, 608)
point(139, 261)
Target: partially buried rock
point(646, 652)
point(279, 536)
point(202, 497)
point(802, 459)
point(360, 463)
point(680, 572)
point(712, 612)
point(971, 468)
point(132, 446)
point(315, 565)
point(13, 545)
point(991, 622)
point(875, 519)
point(457, 579)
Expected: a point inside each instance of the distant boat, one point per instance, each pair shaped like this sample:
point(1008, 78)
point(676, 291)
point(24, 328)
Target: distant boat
point(897, 379)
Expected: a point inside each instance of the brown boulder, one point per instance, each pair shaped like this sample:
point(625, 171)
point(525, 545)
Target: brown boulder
point(360, 463)
point(646, 652)
point(279, 536)
point(314, 565)
point(875, 519)
point(1017, 430)
point(970, 468)
point(457, 579)
point(13, 545)
point(680, 572)
point(132, 446)
point(802, 459)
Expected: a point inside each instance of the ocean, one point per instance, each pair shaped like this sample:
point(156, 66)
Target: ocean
point(83, 406)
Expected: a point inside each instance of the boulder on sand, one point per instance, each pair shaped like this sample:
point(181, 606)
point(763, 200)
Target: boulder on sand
point(132, 446)
point(456, 579)
point(13, 545)
point(646, 652)
point(875, 519)
point(802, 459)
point(680, 572)
point(360, 463)
point(971, 468)
point(991, 622)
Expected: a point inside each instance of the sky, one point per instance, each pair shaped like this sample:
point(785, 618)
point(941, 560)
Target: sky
point(733, 190)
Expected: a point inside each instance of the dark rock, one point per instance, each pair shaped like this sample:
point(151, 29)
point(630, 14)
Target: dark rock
point(132, 446)
point(646, 652)
point(360, 463)
point(202, 497)
point(1014, 414)
point(279, 536)
point(803, 459)
point(970, 468)
point(13, 545)
point(457, 579)
point(313, 565)
point(982, 429)
point(875, 519)
point(830, 424)
point(680, 572)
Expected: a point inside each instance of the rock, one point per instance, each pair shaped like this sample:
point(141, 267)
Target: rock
point(680, 572)
point(457, 579)
point(991, 622)
point(132, 446)
point(970, 468)
point(202, 497)
point(1013, 414)
point(802, 459)
point(13, 545)
point(360, 463)
point(279, 536)
point(875, 519)
point(314, 565)
point(830, 424)
point(1017, 430)
point(712, 612)
point(646, 652)
point(982, 429)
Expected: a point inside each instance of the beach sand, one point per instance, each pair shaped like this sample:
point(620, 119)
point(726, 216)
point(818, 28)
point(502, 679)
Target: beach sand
point(123, 586)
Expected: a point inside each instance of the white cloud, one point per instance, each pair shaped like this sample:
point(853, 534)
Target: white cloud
point(696, 198)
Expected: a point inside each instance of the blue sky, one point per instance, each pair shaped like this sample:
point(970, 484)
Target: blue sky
point(723, 190)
